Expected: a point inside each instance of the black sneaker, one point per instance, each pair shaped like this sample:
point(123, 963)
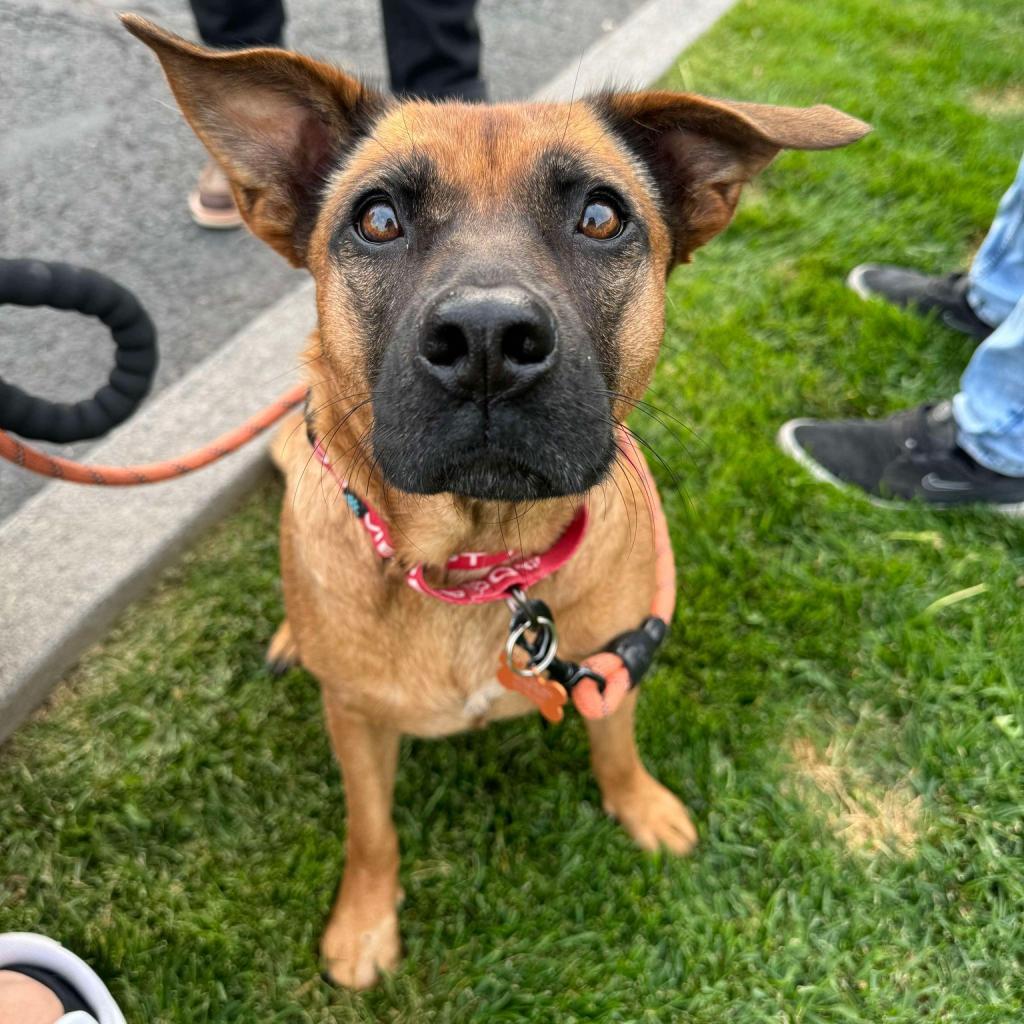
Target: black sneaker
point(945, 295)
point(912, 455)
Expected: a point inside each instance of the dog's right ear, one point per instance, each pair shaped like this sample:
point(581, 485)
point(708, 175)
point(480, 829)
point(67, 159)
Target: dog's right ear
point(276, 122)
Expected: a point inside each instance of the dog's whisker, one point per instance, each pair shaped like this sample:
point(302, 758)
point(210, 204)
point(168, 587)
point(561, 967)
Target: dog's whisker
point(677, 483)
point(326, 441)
point(637, 473)
point(622, 496)
point(646, 443)
point(396, 522)
point(656, 410)
point(634, 472)
point(654, 451)
point(294, 368)
point(653, 416)
point(338, 399)
point(572, 99)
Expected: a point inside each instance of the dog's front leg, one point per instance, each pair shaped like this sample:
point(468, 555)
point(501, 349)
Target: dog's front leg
point(650, 813)
point(361, 937)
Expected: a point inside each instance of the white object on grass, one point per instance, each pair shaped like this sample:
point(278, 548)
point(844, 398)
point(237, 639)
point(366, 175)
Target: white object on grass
point(39, 951)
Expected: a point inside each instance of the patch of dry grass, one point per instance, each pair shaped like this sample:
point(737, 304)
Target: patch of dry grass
point(1007, 102)
point(866, 817)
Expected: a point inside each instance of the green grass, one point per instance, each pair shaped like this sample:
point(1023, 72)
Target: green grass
point(175, 815)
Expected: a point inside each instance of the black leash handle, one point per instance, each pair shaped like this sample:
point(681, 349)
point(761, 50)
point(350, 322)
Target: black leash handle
point(63, 286)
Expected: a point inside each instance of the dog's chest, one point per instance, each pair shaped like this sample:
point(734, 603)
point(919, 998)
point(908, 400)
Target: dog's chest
point(455, 710)
point(423, 687)
point(477, 706)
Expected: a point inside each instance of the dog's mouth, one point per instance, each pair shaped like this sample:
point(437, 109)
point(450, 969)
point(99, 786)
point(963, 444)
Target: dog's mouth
point(534, 464)
point(488, 474)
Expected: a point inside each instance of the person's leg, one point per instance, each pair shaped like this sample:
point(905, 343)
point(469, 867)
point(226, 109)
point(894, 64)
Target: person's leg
point(26, 1000)
point(42, 982)
point(973, 303)
point(996, 279)
point(433, 48)
point(236, 24)
point(989, 409)
point(967, 451)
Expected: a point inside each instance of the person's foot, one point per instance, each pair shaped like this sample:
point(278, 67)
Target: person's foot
point(211, 203)
point(41, 982)
point(945, 294)
point(912, 455)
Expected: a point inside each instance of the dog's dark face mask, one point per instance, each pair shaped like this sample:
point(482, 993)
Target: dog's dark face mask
point(490, 280)
point(491, 295)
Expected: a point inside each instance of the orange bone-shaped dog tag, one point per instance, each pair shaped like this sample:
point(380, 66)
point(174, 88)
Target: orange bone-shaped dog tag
point(549, 696)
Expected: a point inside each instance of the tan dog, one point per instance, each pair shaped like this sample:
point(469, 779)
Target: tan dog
point(490, 286)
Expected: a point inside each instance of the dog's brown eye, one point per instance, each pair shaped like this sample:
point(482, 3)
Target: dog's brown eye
point(379, 222)
point(600, 220)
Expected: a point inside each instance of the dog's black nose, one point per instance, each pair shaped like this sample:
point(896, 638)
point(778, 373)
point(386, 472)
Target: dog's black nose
point(487, 343)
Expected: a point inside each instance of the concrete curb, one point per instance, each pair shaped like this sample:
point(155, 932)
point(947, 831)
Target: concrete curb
point(640, 50)
point(74, 557)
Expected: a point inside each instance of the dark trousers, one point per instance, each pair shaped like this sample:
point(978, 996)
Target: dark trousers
point(433, 45)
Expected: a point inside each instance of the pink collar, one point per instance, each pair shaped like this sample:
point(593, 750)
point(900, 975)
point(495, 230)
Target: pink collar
point(505, 571)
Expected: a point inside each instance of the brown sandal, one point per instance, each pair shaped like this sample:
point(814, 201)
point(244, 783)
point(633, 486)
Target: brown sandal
point(211, 203)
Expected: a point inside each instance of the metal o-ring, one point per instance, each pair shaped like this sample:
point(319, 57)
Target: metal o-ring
point(541, 622)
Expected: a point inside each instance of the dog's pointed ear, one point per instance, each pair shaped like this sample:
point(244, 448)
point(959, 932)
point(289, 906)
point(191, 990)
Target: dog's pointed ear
point(276, 122)
point(702, 151)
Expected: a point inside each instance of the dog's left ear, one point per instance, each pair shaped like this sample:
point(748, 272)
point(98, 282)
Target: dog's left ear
point(276, 122)
point(702, 151)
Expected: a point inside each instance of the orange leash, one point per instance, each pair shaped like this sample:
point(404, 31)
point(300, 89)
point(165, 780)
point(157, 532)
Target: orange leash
point(35, 461)
point(589, 700)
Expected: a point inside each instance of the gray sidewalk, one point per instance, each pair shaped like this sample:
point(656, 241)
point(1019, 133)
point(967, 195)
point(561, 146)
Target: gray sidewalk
point(95, 163)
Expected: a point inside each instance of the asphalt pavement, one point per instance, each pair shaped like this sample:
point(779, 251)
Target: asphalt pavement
point(95, 163)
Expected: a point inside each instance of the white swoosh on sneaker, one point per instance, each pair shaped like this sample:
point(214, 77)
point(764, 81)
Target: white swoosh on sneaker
point(934, 482)
point(950, 319)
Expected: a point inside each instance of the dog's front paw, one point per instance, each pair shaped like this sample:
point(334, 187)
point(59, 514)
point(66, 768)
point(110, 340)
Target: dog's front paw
point(358, 944)
point(652, 815)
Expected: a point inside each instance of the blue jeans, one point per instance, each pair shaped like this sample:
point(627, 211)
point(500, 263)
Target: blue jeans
point(989, 409)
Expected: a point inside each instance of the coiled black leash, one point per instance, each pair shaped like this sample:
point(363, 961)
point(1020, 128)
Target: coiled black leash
point(28, 282)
